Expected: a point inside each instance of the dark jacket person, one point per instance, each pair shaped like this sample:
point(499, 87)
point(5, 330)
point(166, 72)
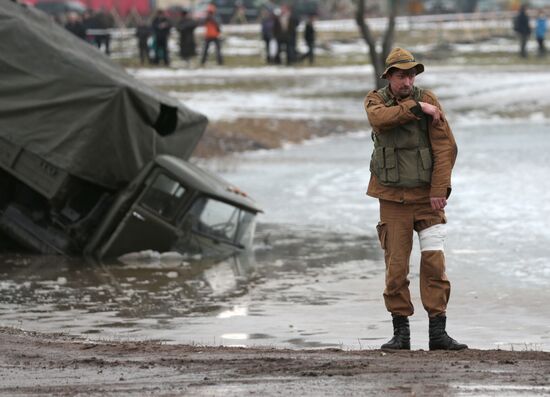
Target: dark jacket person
point(186, 28)
point(75, 26)
point(309, 37)
point(161, 30)
point(522, 28)
point(143, 32)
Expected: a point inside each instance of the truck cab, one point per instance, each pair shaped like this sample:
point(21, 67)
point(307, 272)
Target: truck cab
point(176, 206)
point(171, 205)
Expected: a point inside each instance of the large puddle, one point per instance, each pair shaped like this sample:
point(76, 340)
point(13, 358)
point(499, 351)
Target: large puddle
point(316, 276)
point(167, 297)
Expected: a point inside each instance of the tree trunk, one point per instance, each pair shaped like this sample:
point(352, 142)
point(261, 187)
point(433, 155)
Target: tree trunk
point(377, 59)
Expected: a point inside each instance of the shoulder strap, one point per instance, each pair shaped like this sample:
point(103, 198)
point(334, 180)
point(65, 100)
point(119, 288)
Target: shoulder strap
point(417, 93)
point(386, 97)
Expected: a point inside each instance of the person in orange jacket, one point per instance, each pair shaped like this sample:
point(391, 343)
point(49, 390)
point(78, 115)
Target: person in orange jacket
point(212, 31)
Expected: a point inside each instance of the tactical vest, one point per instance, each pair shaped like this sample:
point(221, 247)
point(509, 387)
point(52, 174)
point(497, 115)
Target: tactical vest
point(402, 155)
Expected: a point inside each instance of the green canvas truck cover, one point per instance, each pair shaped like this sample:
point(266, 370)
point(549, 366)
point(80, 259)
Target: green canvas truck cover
point(65, 101)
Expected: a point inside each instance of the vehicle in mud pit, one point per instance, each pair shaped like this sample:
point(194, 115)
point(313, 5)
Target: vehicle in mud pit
point(94, 162)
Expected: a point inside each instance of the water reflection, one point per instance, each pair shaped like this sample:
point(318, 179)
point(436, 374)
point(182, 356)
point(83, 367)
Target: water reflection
point(234, 312)
point(137, 286)
point(158, 295)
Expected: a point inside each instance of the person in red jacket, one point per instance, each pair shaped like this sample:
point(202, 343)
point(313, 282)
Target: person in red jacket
point(212, 33)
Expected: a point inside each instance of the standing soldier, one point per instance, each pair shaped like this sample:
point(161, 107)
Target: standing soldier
point(414, 154)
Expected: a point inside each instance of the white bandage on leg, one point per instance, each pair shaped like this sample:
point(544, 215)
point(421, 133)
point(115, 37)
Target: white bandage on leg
point(433, 238)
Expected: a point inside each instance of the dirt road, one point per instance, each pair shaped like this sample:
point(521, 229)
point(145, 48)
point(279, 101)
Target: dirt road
point(38, 364)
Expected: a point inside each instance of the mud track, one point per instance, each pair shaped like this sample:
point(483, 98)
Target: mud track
point(226, 137)
point(39, 364)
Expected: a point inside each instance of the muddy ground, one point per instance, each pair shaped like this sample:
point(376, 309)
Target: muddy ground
point(224, 137)
point(39, 364)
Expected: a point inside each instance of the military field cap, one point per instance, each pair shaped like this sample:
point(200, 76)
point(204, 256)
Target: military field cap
point(401, 59)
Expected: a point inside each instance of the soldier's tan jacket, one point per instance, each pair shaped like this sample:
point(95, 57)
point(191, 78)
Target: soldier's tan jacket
point(444, 149)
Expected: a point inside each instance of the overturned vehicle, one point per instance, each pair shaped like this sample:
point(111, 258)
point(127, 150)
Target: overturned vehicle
point(93, 162)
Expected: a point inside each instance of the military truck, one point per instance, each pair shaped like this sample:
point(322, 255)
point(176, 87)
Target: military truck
point(94, 162)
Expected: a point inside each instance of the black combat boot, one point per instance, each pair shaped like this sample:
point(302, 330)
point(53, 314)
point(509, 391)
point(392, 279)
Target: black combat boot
point(401, 334)
point(439, 340)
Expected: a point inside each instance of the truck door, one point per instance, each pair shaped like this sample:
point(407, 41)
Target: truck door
point(149, 224)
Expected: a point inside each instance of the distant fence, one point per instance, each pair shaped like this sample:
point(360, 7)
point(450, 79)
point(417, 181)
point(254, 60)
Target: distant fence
point(448, 27)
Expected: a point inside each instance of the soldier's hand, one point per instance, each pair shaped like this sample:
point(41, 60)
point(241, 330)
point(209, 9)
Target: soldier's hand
point(438, 203)
point(433, 111)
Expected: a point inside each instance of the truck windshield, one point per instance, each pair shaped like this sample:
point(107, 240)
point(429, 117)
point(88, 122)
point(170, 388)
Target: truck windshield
point(221, 221)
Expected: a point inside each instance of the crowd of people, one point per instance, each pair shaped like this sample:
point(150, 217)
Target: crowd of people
point(93, 27)
point(279, 32)
point(522, 27)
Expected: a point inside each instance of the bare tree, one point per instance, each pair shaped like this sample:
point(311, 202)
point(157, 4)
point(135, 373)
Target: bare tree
point(377, 58)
